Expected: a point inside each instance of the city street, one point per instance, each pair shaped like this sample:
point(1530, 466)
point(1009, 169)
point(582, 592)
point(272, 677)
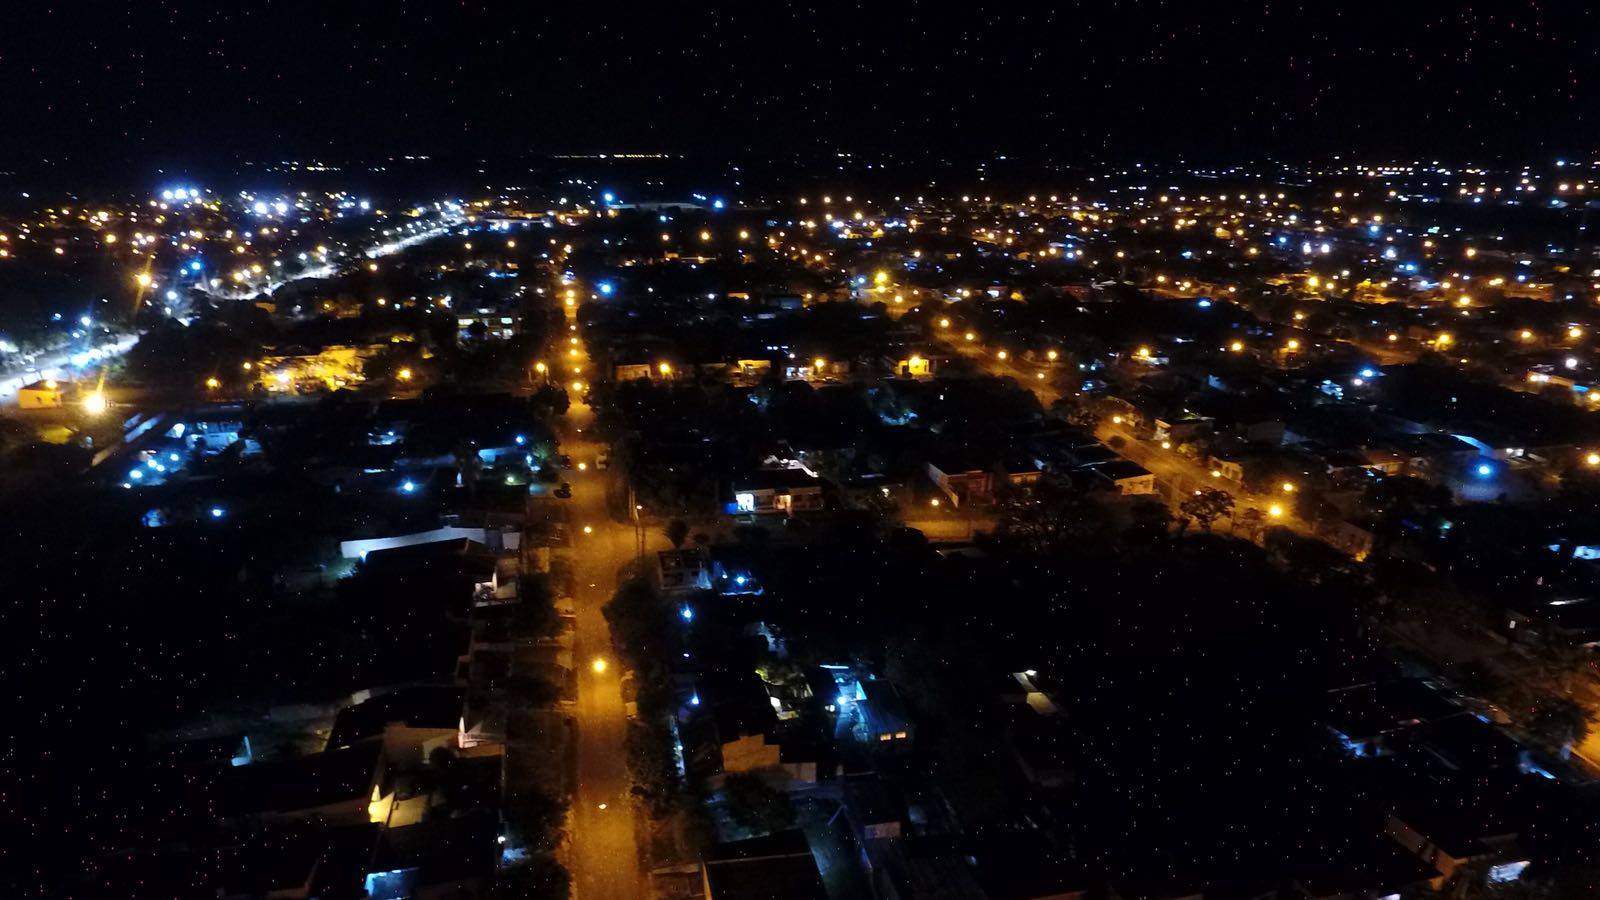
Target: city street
point(58, 364)
point(1177, 475)
point(605, 860)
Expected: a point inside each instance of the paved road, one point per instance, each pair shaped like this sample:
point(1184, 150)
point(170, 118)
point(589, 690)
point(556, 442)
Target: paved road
point(1180, 474)
point(61, 364)
point(605, 861)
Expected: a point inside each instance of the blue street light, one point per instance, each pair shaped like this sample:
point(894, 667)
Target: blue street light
point(409, 487)
point(687, 613)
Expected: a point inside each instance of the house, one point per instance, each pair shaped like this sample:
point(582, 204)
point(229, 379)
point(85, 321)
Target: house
point(1432, 450)
point(1027, 865)
point(680, 572)
point(411, 721)
point(340, 787)
point(818, 368)
point(464, 560)
point(1574, 620)
point(1466, 743)
point(1345, 536)
point(961, 481)
point(776, 867)
point(1128, 477)
point(232, 749)
point(786, 491)
point(873, 808)
point(774, 757)
point(1364, 717)
point(331, 368)
point(291, 863)
point(915, 365)
point(868, 490)
point(1036, 736)
point(1090, 455)
point(632, 371)
point(1228, 465)
point(1060, 448)
point(213, 432)
point(884, 715)
point(1182, 429)
point(1458, 831)
point(493, 539)
point(1018, 467)
point(488, 323)
point(443, 858)
point(45, 394)
point(1361, 869)
point(750, 370)
point(1265, 431)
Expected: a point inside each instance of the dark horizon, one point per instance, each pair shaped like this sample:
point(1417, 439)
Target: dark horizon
point(201, 85)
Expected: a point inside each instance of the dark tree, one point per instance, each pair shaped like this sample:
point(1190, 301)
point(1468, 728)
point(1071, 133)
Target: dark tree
point(1558, 723)
point(756, 806)
point(643, 627)
point(1049, 517)
point(652, 768)
point(1205, 507)
point(677, 531)
point(539, 878)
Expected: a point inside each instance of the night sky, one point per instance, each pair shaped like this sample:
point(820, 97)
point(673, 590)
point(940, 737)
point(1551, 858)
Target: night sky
point(169, 80)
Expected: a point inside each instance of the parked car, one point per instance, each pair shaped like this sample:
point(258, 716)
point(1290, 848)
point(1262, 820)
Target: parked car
point(564, 491)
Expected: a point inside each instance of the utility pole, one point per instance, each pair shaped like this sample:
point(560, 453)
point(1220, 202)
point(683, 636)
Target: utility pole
point(638, 524)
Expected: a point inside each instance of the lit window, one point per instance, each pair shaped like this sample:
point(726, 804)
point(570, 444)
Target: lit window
point(745, 501)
